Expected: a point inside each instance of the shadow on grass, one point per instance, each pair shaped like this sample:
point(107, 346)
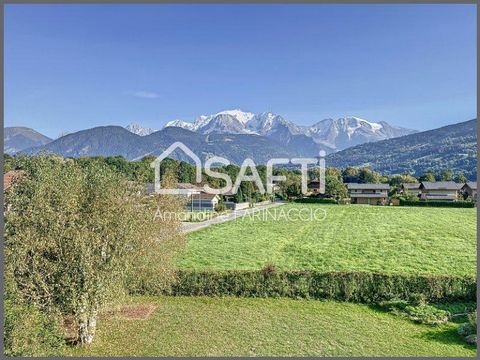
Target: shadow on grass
point(446, 336)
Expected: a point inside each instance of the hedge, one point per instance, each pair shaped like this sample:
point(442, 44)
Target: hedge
point(360, 287)
point(316, 201)
point(438, 203)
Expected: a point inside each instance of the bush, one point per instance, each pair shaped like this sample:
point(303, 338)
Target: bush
point(468, 330)
point(315, 200)
point(425, 314)
point(438, 203)
point(360, 287)
point(29, 332)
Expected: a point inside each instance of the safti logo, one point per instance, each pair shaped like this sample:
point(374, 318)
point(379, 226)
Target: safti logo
point(248, 163)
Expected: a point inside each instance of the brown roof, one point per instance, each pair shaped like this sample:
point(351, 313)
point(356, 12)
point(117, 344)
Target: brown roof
point(10, 177)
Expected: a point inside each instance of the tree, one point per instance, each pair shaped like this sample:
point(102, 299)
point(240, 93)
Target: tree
point(335, 188)
point(350, 175)
point(460, 178)
point(446, 175)
point(398, 180)
point(72, 234)
point(428, 176)
point(367, 175)
point(238, 198)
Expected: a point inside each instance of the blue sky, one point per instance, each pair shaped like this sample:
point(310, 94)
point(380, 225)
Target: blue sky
point(71, 67)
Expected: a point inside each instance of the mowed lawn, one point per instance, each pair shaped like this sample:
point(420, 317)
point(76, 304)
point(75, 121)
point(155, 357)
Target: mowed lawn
point(197, 326)
point(351, 237)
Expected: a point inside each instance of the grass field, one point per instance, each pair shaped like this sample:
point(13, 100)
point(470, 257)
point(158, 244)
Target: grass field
point(385, 239)
point(182, 326)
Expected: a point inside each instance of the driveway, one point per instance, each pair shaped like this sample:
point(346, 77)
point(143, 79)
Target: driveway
point(193, 226)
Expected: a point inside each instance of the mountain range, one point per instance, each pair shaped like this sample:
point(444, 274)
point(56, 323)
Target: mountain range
point(449, 147)
point(20, 138)
point(265, 136)
point(328, 134)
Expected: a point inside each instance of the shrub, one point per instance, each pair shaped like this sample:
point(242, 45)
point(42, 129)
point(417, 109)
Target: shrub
point(438, 203)
point(27, 330)
point(361, 287)
point(416, 310)
point(315, 200)
point(468, 330)
point(426, 314)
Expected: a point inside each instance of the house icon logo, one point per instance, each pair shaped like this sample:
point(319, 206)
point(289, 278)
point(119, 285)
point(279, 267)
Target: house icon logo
point(156, 165)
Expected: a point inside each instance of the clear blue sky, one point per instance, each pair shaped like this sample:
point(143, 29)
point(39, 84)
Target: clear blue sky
point(71, 67)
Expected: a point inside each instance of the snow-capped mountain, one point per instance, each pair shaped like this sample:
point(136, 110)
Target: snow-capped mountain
point(329, 134)
point(350, 131)
point(139, 130)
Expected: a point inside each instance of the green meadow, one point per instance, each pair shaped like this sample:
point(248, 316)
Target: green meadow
point(348, 238)
point(198, 326)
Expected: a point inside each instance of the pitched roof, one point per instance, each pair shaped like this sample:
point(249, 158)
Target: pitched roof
point(189, 186)
point(472, 185)
point(10, 177)
point(411, 186)
point(441, 185)
point(355, 186)
point(203, 196)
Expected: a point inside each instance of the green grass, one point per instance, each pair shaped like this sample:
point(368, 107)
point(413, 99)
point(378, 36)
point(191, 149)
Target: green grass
point(199, 326)
point(370, 238)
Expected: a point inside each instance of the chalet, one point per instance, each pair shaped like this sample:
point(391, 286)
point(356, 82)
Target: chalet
point(412, 188)
point(441, 190)
point(192, 189)
point(371, 194)
point(202, 201)
point(313, 187)
point(470, 189)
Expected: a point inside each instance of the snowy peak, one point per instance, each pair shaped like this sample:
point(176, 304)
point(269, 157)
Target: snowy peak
point(242, 116)
point(180, 123)
point(139, 130)
point(350, 131)
point(334, 134)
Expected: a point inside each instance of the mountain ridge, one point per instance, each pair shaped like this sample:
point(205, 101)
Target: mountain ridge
point(328, 134)
point(452, 147)
point(18, 138)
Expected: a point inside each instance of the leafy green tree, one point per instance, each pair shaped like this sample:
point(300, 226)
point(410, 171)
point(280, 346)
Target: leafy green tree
point(460, 178)
point(428, 176)
point(72, 234)
point(238, 198)
point(367, 175)
point(350, 175)
point(335, 188)
point(446, 175)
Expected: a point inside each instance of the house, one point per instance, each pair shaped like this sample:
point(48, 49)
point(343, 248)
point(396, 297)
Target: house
point(202, 201)
point(189, 188)
point(412, 188)
point(470, 189)
point(441, 190)
point(313, 187)
point(371, 194)
point(10, 177)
